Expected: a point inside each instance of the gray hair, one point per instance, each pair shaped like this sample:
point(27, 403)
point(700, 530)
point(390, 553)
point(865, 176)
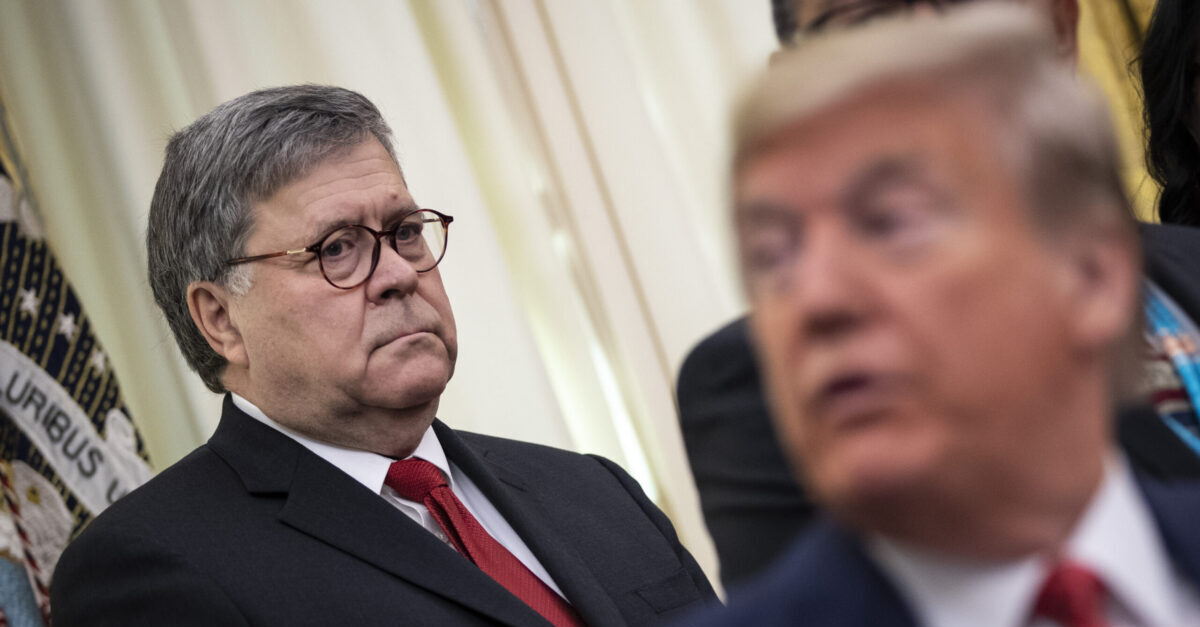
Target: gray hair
point(1052, 127)
point(217, 168)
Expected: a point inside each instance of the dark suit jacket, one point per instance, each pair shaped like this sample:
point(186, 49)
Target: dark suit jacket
point(254, 529)
point(752, 505)
point(827, 579)
point(1172, 261)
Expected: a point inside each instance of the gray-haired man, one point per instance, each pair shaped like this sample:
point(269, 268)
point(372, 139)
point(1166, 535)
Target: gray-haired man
point(299, 276)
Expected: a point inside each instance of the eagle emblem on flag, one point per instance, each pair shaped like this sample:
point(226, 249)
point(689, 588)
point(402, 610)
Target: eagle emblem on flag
point(67, 446)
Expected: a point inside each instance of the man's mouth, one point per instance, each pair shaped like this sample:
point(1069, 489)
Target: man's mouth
point(853, 399)
point(403, 335)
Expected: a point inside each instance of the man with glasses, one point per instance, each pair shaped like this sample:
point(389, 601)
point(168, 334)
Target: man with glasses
point(300, 279)
point(944, 277)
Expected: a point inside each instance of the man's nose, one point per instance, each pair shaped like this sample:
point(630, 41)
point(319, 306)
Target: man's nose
point(394, 275)
point(830, 287)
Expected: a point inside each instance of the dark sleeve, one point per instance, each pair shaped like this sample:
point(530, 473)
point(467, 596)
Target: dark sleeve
point(1172, 260)
point(128, 580)
point(1153, 449)
point(753, 505)
point(660, 520)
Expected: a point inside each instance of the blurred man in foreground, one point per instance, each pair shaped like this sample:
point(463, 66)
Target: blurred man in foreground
point(944, 280)
point(752, 505)
point(300, 278)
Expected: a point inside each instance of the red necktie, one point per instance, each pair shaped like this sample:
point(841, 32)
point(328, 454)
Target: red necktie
point(1073, 596)
point(418, 480)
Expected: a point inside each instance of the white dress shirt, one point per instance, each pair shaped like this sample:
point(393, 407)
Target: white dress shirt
point(1117, 538)
point(370, 469)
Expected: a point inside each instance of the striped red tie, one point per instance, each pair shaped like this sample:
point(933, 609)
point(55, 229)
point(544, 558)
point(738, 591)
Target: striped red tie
point(418, 480)
point(1072, 596)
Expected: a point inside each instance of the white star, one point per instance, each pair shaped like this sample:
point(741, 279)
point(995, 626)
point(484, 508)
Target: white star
point(97, 361)
point(66, 325)
point(30, 301)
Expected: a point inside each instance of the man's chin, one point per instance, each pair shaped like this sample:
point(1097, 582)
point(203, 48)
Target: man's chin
point(410, 390)
point(871, 485)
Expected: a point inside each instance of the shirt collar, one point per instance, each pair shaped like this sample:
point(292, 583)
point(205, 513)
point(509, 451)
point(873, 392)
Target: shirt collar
point(945, 592)
point(369, 469)
point(1116, 537)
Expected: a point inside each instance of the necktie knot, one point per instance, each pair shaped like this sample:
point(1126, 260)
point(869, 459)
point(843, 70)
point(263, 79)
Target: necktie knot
point(1073, 596)
point(418, 480)
point(414, 478)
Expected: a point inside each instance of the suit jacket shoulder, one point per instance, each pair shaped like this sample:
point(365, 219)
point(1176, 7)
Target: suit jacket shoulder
point(254, 529)
point(827, 579)
point(1176, 508)
point(824, 580)
point(127, 555)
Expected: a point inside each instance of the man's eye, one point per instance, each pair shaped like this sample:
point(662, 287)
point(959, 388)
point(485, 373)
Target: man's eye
point(408, 232)
point(902, 216)
point(896, 227)
point(337, 247)
point(883, 223)
point(766, 249)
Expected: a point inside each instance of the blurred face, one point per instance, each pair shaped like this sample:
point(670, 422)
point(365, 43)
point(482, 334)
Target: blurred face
point(910, 319)
point(321, 356)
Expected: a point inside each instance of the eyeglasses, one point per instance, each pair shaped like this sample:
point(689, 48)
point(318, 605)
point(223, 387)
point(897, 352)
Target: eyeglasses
point(348, 255)
point(851, 13)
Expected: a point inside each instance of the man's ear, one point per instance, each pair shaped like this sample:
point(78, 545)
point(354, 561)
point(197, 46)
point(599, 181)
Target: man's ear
point(209, 305)
point(1066, 27)
point(1104, 286)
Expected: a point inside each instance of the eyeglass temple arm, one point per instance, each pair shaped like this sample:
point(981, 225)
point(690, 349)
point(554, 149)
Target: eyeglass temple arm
point(297, 251)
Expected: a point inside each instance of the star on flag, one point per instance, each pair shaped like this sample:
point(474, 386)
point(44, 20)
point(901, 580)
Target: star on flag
point(66, 325)
point(97, 361)
point(30, 301)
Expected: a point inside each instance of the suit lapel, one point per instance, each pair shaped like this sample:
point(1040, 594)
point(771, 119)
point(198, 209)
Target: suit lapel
point(844, 578)
point(330, 506)
point(1176, 508)
point(512, 497)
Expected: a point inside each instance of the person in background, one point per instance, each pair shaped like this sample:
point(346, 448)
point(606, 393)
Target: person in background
point(1168, 63)
point(753, 505)
point(299, 276)
point(944, 275)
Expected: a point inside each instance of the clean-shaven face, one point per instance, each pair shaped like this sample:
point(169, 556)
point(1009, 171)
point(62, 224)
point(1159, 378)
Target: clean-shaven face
point(388, 344)
point(908, 313)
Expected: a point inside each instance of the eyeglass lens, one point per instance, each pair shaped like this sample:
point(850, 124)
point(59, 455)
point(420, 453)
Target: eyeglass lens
point(348, 254)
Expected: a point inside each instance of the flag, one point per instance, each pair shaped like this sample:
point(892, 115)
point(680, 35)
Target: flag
point(67, 445)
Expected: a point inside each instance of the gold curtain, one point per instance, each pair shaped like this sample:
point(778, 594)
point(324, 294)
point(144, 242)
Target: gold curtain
point(1110, 37)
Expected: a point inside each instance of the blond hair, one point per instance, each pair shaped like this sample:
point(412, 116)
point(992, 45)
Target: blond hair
point(1051, 126)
